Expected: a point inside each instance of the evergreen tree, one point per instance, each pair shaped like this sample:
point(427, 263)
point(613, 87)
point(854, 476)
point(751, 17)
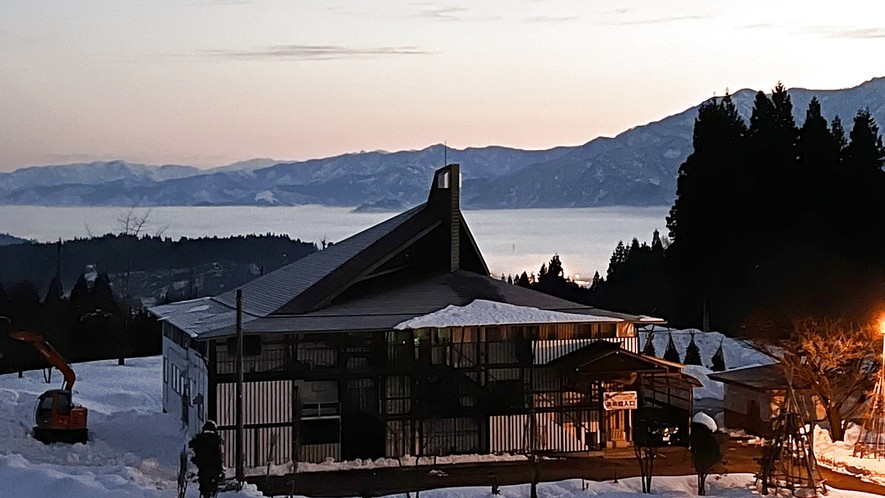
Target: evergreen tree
point(865, 153)
point(618, 257)
point(55, 294)
point(594, 284)
point(839, 133)
point(523, 281)
point(706, 452)
point(656, 245)
point(671, 354)
point(692, 354)
point(818, 149)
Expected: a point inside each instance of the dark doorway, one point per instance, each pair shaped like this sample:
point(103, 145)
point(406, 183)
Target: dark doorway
point(362, 430)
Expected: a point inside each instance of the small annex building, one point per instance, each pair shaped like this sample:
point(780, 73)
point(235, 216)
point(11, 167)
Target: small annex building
point(754, 396)
point(396, 341)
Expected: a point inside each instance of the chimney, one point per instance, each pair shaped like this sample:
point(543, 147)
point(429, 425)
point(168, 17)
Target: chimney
point(445, 197)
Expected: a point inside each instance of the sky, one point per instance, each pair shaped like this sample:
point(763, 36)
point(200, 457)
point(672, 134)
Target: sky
point(210, 82)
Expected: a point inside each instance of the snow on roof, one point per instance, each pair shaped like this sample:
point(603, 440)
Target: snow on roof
point(481, 312)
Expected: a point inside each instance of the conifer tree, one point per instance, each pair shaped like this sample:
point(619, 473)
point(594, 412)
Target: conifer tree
point(865, 153)
point(618, 257)
point(838, 133)
point(692, 353)
point(594, 284)
point(671, 354)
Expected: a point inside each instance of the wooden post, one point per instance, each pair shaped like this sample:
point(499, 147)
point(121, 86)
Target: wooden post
point(241, 456)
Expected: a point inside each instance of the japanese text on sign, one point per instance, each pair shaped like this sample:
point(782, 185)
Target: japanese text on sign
point(620, 400)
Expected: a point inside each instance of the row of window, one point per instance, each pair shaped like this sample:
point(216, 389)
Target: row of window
point(174, 376)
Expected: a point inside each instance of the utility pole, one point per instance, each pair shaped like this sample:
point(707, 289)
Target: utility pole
point(241, 473)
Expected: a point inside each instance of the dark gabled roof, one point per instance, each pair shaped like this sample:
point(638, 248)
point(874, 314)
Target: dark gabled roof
point(605, 357)
point(392, 304)
point(762, 378)
point(273, 291)
point(413, 264)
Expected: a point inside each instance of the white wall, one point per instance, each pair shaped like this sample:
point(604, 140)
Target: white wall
point(185, 385)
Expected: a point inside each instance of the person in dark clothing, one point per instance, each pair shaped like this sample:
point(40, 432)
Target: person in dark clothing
point(208, 457)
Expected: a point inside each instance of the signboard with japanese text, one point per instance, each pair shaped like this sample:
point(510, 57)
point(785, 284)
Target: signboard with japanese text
point(619, 400)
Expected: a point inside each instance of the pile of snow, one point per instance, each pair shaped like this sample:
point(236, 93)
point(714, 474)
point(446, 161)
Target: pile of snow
point(710, 389)
point(839, 456)
point(482, 312)
point(133, 447)
point(407, 461)
point(738, 353)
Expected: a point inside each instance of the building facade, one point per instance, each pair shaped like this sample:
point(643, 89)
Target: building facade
point(397, 342)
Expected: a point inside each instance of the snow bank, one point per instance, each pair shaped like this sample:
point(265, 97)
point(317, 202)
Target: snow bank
point(839, 456)
point(738, 353)
point(729, 486)
point(482, 312)
point(406, 461)
point(710, 389)
point(133, 447)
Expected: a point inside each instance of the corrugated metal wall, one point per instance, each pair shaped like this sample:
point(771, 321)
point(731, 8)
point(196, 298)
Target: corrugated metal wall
point(267, 417)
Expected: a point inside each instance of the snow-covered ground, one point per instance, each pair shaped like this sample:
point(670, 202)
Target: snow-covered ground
point(133, 448)
point(839, 456)
point(730, 486)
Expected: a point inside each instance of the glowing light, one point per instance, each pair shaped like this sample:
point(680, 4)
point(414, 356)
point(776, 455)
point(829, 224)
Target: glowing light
point(882, 325)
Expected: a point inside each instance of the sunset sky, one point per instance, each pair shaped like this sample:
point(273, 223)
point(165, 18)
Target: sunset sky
point(212, 82)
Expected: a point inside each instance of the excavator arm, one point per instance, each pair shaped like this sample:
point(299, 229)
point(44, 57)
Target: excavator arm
point(48, 352)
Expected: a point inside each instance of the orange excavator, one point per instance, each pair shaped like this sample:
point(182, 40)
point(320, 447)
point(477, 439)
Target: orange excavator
point(58, 419)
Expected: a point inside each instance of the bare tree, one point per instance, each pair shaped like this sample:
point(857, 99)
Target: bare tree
point(835, 359)
point(133, 223)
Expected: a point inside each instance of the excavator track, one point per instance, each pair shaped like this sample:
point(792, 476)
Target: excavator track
point(70, 436)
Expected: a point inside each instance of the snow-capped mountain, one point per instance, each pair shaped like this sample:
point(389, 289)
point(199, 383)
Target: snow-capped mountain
point(638, 167)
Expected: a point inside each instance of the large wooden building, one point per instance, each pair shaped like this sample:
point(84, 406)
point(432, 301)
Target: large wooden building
point(396, 341)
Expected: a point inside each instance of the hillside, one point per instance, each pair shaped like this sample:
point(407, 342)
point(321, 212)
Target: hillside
point(636, 168)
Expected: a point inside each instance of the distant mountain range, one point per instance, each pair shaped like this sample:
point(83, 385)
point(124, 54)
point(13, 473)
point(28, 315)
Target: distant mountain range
point(636, 168)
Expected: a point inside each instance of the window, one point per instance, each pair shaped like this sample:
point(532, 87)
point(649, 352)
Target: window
point(64, 404)
point(319, 431)
point(398, 394)
point(44, 408)
point(608, 330)
point(183, 339)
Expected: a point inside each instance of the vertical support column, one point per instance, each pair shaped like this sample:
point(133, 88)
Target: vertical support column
point(240, 470)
